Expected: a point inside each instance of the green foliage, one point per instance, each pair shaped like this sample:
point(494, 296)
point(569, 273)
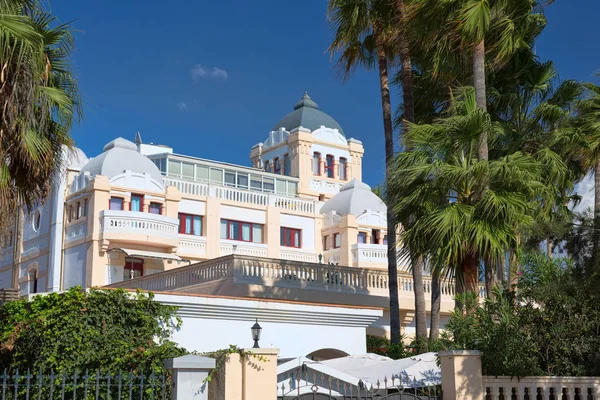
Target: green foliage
point(549, 326)
point(383, 346)
point(105, 330)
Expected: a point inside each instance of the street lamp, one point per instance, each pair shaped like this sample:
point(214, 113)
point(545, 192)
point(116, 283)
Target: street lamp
point(256, 330)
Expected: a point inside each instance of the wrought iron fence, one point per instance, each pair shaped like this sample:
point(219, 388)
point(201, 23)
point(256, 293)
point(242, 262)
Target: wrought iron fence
point(305, 385)
point(87, 386)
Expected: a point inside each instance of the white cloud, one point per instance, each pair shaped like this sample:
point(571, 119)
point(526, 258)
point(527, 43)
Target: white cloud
point(200, 71)
point(585, 189)
point(181, 106)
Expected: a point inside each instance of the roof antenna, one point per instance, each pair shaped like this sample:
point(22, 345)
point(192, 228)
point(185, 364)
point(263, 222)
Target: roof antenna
point(138, 138)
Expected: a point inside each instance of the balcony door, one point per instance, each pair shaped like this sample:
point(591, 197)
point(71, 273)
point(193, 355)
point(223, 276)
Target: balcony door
point(134, 268)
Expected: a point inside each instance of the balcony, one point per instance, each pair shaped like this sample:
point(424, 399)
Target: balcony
point(248, 276)
point(139, 228)
point(243, 196)
point(369, 254)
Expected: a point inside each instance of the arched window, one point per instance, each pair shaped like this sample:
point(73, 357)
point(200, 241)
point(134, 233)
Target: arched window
point(316, 167)
point(33, 282)
point(286, 165)
point(329, 163)
point(342, 168)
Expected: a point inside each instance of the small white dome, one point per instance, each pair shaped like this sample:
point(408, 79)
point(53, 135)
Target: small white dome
point(354, 198)
point(117, 157)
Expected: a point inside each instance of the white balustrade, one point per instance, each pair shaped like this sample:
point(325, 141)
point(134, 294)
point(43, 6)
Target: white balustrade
point(325, 186)
point(371, 253)
point(252, 269)
point(242, 195)
point(115, 221)
point(193, 245)
point(541, 387)
point(243, 248)
point(298, 256)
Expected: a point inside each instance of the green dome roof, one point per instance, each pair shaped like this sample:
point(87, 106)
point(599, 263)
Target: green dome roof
point(307, 115)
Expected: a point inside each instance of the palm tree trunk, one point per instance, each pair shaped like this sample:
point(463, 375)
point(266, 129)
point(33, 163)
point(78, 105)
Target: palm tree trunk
point(479, 82)
point(386, 106)
point(459, 286)
point(406, 71)
point(436, 297)
point(471, 273)
point(549, 248)
point(420, 311)
point(596, 235)
point(490, 278)
point(502, 268)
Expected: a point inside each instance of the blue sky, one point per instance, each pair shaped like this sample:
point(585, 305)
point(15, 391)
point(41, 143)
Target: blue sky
point(252, 61)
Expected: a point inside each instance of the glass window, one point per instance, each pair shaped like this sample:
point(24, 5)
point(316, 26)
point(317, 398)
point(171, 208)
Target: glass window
point(292, 188)
point(242, 180)
point(223, 229)
point(315, 163)
point(155, 208)
point(33, 282)
point(116, 203)
point(286, 165)
point(362, 237)
point(290, 237)
point(134, 268)
point(255, 182)
point(325, 243)
point(257, 233)
point(337, 241)
point(201, 173)
point(329, 163)
point(269, 184)
point(187, 170)
point(85, 207)
point(281, 186)
point(342, 169)
point(277, 166)
point(79, 210)
point(267, 166)
point(229, 178)
point(136, 202)
point(216, 175)
point(243, 231)
point(190, 224)
point(385, 239)
point(174, 168)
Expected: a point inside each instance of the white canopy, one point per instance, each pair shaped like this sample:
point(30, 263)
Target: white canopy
point(373, 370)
point(417, 371)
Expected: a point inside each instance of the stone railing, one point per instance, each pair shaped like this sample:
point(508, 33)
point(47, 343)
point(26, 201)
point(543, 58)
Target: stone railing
point(116, 221)
point(371, 253)
point(286, 273)
point(325, 185)
point(541, 387)
point(206, 271)
point(243, 196)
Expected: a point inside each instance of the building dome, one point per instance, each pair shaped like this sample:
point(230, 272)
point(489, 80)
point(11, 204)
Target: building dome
point(117, 157)
point(307, 115)
point(354, 198)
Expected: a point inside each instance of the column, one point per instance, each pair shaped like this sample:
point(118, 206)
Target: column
point(461, 375)
point(259, 374)
point(272, 232)
point(188, 375)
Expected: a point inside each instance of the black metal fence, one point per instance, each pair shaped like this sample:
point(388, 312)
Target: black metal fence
point(86, 386)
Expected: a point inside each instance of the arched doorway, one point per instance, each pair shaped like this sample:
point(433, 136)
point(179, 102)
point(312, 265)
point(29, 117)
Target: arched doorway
point(326, 354)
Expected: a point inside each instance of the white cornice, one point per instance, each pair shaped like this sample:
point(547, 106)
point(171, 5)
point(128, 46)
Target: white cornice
point(270, 311)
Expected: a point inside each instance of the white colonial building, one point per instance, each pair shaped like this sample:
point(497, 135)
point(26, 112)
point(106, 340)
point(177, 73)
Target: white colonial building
point(296, 240)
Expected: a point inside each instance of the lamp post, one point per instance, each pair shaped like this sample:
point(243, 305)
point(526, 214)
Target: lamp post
point(256, 330)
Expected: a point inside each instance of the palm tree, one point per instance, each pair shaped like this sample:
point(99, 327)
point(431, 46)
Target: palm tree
point(485, 201)
point(39, 99)
point(364, 36)
point(589, 125)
